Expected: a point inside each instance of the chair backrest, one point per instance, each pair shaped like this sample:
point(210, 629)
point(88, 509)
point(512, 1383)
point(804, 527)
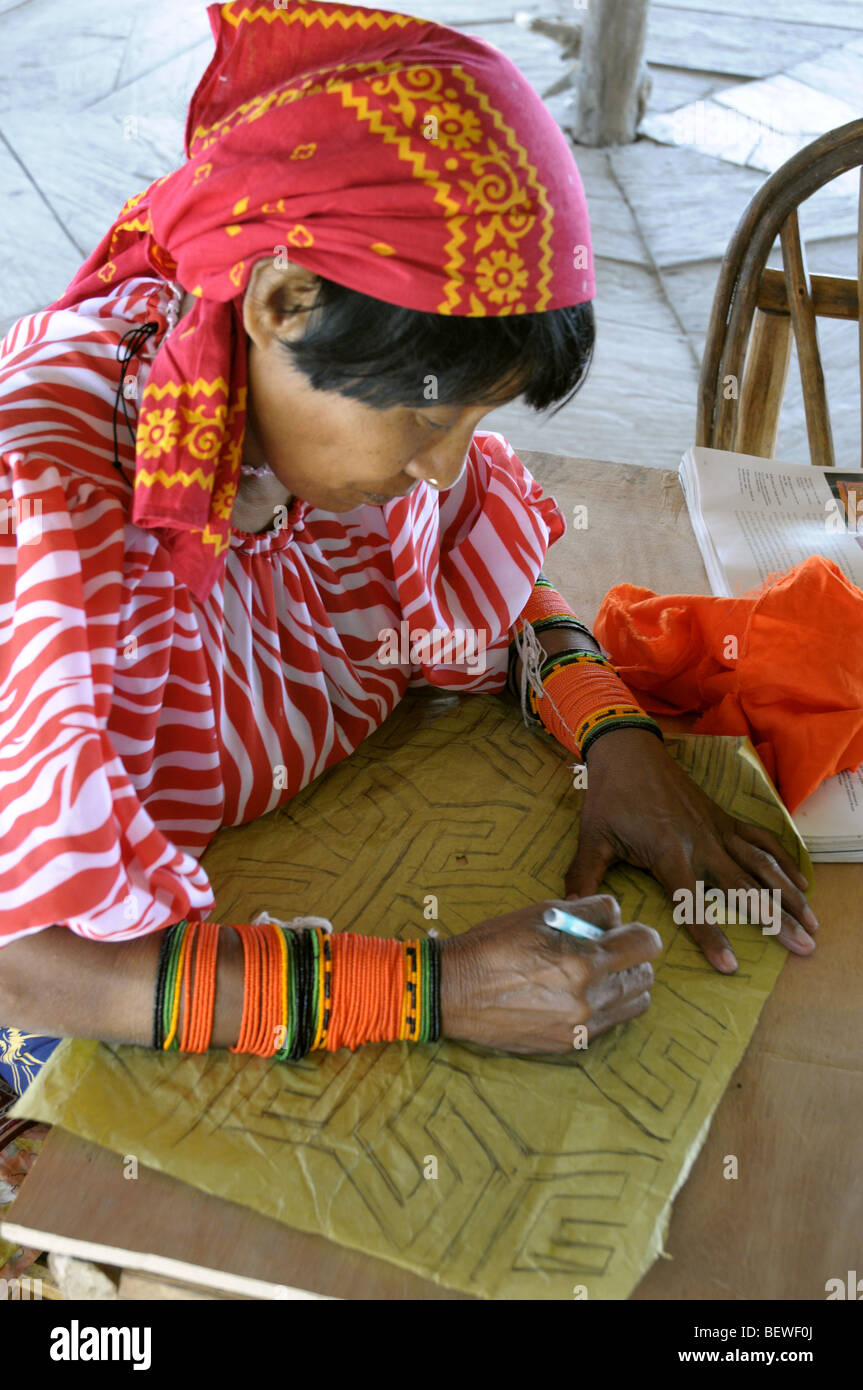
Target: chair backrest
point(745, 363)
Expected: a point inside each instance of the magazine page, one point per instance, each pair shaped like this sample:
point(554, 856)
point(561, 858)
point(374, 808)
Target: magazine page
point(834, 811)
point(762, 516)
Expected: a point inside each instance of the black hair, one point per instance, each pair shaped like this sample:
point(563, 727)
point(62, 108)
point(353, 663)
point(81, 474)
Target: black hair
point(384, 355)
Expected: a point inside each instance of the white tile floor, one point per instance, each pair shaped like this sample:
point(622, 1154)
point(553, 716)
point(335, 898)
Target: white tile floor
point(93, 100)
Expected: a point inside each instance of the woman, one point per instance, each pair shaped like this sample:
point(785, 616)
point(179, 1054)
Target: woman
point(379, 234)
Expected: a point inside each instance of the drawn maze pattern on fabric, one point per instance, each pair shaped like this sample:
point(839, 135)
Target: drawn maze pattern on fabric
point(550, 1173)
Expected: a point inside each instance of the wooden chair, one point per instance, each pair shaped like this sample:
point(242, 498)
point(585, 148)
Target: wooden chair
point(754, 310)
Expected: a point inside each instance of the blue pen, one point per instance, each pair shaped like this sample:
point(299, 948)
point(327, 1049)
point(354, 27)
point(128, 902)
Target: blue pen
point(573, 926)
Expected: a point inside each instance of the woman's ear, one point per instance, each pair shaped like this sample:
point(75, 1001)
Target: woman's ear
point(277, 302)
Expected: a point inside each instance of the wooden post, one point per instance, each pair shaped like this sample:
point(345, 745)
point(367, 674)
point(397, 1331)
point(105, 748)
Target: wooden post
point(609, 98)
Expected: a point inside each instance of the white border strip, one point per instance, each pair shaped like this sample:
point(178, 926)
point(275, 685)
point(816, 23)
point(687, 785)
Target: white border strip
point(218, 1279)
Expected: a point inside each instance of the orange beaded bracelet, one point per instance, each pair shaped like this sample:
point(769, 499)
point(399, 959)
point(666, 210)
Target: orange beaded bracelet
point(303, 990)
point(575, 695)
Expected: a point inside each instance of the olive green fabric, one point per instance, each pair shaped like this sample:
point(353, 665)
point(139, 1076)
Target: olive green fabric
point(498, 1175)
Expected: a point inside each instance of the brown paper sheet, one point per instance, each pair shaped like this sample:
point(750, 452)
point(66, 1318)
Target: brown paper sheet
point(497, 1175)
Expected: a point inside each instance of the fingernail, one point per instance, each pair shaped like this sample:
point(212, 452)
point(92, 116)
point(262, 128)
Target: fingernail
point(809, 919)
point(727, 960)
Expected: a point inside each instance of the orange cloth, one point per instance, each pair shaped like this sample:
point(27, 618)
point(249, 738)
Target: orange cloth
point(792, 680)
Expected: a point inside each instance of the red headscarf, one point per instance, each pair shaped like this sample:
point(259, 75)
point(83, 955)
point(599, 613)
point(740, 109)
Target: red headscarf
point(392, 155)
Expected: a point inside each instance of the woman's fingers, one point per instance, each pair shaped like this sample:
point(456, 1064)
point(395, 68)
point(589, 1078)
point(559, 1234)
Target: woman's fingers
point(757, 835)
point(618, 988)
point(627, 946)
point(611, 977)
point(766, 867)
point(746, 900)
point(622, 945)
point(600, 909)
point(632, 1008)
point(681, 885)
point(745, 881)
point(612, 968)
point(593, 857)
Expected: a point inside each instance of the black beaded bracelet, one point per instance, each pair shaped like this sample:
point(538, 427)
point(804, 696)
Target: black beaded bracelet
point(303, 965)
point(645, 724)
point(435, 981)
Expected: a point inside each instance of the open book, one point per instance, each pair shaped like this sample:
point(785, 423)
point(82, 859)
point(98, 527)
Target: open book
point(753, 517)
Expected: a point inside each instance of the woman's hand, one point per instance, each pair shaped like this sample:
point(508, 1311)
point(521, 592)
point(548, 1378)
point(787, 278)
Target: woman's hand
point(641, 807)
point(515, 984)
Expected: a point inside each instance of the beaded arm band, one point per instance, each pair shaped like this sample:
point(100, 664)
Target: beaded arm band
point(577, 696)
point(304, 990)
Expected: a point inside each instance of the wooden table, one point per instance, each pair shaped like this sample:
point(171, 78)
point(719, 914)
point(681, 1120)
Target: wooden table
point(792, 1116)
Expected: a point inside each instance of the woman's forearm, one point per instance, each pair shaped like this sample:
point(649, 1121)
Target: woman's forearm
point(63, 985)
point(509, 983)
point(560, 639)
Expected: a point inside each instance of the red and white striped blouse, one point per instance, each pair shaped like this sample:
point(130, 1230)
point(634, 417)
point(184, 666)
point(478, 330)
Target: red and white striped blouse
point(134, 722)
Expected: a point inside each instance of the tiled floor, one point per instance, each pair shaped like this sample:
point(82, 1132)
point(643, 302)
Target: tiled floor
point(93, 99)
